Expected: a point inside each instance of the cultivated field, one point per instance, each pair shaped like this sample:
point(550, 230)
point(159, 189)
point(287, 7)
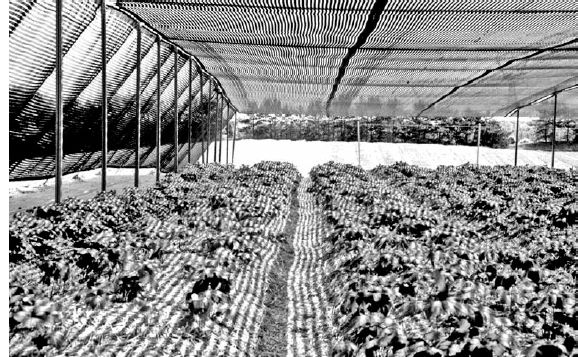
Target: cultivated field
point(260, 261)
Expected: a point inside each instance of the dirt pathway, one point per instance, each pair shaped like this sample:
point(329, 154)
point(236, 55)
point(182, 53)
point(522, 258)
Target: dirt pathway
point(273, 331)
point(309, 325)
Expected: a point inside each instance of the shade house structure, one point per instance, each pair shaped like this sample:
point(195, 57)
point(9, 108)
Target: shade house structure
point(156, 83)
point(344, 178)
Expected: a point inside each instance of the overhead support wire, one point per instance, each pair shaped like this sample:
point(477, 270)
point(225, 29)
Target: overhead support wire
point(371, 23)
point(541, 99)
point(490, 71)
point(368, 48)
point(180, 5)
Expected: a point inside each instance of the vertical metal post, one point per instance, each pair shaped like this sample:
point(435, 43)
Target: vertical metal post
point(104, 96)
point(227, 148)
point(203, 130)
point(137, 103)
point(234, 139)
point(220, 117)
point(358, 145)
point(176, 107)
point(517, 129)
point(59, 114)
point(158, 126)
point(554, 128)
point(209, 119)
point(190, 109)
point(216, 128)
point(479, 137)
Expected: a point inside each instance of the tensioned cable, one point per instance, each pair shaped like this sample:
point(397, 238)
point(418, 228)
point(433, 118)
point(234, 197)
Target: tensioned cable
point(487, 72)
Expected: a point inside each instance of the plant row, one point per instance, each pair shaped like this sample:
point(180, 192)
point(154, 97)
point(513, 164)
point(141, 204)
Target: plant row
point(108, 251)
point(457, 261)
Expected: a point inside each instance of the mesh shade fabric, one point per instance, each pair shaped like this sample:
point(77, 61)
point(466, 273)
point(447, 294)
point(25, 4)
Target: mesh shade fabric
point(425, 57)
point(32, 91)
point(400, 57)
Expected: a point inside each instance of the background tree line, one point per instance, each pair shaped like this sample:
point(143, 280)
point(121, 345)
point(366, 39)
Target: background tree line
point(448, 131)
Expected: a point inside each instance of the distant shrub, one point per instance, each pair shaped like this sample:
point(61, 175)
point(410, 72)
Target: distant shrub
point(494, 135)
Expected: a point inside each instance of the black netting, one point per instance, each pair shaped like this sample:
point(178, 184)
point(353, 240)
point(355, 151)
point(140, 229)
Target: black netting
point(344, 57)
point(32, 91)
point(402, 57)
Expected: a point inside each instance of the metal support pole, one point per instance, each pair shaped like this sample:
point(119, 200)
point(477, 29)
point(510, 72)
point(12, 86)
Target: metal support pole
point(358, 145)
point(216, 128)
point(137, 103)
point(158, 126)
point(209, 119)
point(220, 117)
point(203, 130)
point(227, 148)
point(176, 107)
point(104, 96)
point(234, 139)
point(190, 109)
point(517, 128)
point(59, 112)
point(554, 128)
point(479, 137)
